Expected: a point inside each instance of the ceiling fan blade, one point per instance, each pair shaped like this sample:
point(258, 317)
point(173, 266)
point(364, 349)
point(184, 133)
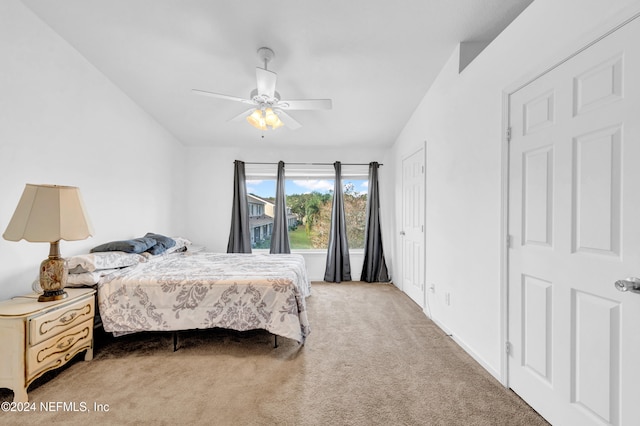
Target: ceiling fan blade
point(266, 82)
point(242, 115)
point(301, 104)
point(221, 96)
point(288, 120)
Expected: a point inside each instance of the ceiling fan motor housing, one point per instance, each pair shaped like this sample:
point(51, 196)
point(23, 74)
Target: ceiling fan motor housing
point(266, 55)
point(264, 100)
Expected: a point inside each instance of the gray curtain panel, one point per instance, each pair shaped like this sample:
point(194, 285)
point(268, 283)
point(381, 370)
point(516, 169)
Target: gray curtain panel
point(338, 267)
point(280, 235)
point(239, 236)
point(374, 268)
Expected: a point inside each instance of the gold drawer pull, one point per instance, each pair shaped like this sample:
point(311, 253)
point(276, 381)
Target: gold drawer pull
point(65, 344)
point(71, 317)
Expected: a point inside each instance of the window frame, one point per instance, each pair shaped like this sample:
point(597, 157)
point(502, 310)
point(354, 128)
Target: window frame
point(306, 171)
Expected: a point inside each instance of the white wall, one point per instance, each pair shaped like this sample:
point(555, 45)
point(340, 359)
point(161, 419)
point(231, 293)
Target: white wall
point(63, 122)
point(210, 193)
point(461, 118)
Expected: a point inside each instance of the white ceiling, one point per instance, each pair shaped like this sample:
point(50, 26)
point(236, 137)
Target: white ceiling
point(375, 59)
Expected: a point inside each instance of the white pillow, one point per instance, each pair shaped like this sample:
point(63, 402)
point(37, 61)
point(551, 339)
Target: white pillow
point(87, 278)
point(181, 243)
point(102, 260)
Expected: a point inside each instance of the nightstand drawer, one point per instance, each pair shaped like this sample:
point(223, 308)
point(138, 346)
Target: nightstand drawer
point(48, 325)
point(59, 349)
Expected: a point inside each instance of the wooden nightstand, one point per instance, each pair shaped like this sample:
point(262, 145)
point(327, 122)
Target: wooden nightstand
point(36, 337)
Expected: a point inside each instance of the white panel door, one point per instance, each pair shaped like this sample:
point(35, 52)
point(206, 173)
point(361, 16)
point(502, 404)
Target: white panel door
point(412, 235)
point(574, 225)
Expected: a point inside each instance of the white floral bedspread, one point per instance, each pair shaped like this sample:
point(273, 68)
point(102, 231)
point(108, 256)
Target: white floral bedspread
point(184, 291)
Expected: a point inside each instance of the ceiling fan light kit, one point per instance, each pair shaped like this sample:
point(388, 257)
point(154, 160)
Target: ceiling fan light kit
point(268, 108)
point(265, 119)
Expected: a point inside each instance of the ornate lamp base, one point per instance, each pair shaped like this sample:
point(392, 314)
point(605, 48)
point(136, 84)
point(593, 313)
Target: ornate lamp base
point(53, 276)
point(50, 296)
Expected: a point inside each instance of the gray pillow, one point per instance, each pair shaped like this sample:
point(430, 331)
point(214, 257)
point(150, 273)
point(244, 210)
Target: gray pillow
point(136, 245)
point(162, 243)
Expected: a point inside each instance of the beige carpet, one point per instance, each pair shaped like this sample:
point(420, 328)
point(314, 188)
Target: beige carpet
point(372, 358)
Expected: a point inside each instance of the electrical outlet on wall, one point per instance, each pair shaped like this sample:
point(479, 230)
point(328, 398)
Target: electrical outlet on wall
point(447, 299)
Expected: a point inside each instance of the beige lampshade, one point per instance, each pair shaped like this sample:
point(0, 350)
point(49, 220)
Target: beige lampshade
point(48, 213)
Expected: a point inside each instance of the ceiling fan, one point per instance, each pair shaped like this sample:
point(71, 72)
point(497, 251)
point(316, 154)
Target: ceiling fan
point(268, 109)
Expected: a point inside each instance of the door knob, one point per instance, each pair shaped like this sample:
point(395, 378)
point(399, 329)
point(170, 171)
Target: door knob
point(631, 284)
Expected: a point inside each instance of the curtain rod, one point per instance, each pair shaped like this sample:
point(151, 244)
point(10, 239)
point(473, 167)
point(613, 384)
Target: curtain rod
point(313, 164)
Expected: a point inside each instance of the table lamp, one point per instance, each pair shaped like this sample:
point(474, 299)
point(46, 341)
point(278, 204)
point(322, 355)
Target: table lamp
point(50, 213)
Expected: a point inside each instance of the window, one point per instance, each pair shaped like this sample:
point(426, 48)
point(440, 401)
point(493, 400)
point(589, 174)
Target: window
point(309, 197)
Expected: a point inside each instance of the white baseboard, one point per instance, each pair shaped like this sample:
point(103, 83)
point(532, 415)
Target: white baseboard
point(470, 351)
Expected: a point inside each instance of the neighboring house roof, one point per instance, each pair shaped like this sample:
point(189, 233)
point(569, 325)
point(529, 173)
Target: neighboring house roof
point(264, 220)
point(259, 221)
point(269, 210)
point(256, 200)
point(269, 207)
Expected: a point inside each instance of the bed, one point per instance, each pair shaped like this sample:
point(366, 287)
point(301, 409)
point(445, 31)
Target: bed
point(200, 290)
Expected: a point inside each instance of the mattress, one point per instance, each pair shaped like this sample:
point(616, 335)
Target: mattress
point(184, 291)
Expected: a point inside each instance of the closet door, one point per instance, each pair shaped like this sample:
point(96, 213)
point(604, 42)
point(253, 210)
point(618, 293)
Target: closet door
point(574, 224)
point(412, 235)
